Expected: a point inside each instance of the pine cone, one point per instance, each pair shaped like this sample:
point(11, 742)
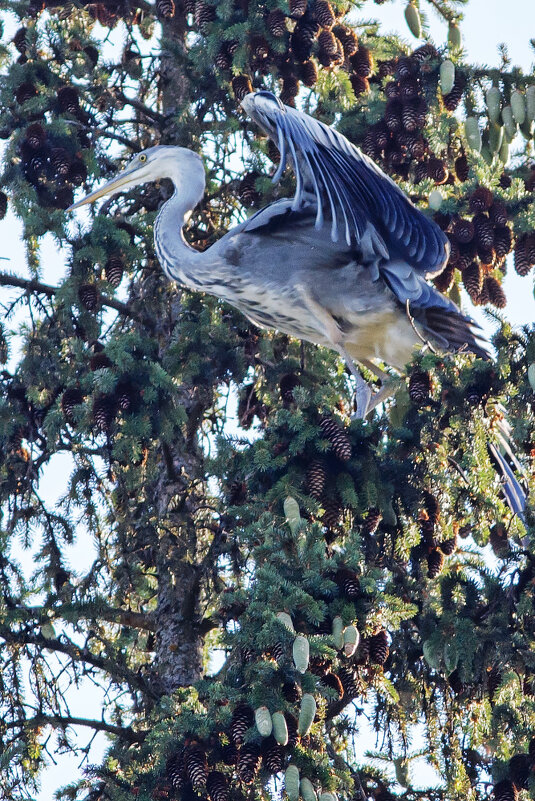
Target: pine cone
point(247, 190)
point(35, 135)
point(165, 8)
point(327, 43)
point(427, 531)
point(432, 507)
point(371, 523)
point(473, 280)
point(204, 15)
point(347, 582)
point(175, 770)
point(393, 112)
point(409, 89)
point(104, 411)
point(424, 53)
point(113, 269)
point(362, 62)
point(332, 512)
point(462, 168)
point(303, 37)
point(241, 86)
point(495, 292)
point(333, 681)
point(60, 161)
point(419, 387)
point(276, 22)
point(77, 172)
point(196, 766)
point(338, 438)
point(248, 763)
point(448, 546)
point(483, 231)
point(444, 281)
point(89, 297)
point(505, 791)
point(437, 171)
point(287, 385)
point(68, 100)
point(315, 478)
point(359, 84)
point(520, 770)
point(505, 180)
point(242, 719)
point(292, 692)
point(298, 8)
point(413, 114)
point(290, 90)
point(462, 230)
point(25, 91)
point(452, 100)
point(71, 397)
point(522, 261)
point(405, 68)
point(348, 38)
point(217, 786)
point(323, 13)
point(348, 679)
point(272, 756)
point(503, 241)
point(454, 680)
point(379, 649)
point(125, 395)
point(99, 361)
point(229, 754)
point(20, 40)
point(309, 73)
point(481, 199)
point(435, 563)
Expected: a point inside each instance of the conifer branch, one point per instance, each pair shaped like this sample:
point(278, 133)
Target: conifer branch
point(61, 721)
point(32, 285)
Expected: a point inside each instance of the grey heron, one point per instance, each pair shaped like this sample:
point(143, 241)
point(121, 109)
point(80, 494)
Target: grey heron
point(340, 264)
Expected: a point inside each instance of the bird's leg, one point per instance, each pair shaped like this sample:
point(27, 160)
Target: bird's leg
point(335, 336)
point(389, 384)
point(362, 391)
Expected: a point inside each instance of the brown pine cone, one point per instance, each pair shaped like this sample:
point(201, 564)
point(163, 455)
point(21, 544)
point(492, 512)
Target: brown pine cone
point(217, 786)
point(290, 90)
point(276, 22)
point(444, 281)
point(522, 262)
point(437, 171)
point(348, 38)
point(309, 73)
point(448, 546)
point(204, 15)
point(419, 386)
point(393, 113)
point(323, 13)
point(338, 438)
point(247, 189)
point(315, 478)
point(359, 85)
point(89, 297)
point(483, 230)
point(481, 199)
point(241, 86)
point(462, 168)
point(503, 241)
point(332, 512)
point(298, 8)
point(462, 230)
point(495, 292)
point(435, 563)
point(165, 8)
point(379, 649)
point(362, 62)
point(371, 523)
point(473, 280)
point(327, 43)
point(452, 100)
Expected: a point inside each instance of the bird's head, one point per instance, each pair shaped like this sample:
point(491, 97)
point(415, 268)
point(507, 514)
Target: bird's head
point(261, 106)
point(182, 166)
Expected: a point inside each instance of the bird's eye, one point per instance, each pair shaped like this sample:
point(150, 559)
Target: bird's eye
point(143, 157)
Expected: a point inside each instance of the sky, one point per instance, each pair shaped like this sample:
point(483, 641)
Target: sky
point(487, 23)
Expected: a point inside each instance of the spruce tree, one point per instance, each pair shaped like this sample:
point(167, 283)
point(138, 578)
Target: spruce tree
point(266, 591)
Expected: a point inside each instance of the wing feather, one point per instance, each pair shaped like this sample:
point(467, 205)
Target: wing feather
point(355, 188)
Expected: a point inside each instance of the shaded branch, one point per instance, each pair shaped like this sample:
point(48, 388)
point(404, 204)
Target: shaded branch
point(60, 721)
point(32, 285)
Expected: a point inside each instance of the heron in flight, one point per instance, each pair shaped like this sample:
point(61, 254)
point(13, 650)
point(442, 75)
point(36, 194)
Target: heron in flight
point(339, 264)
point(345, 263)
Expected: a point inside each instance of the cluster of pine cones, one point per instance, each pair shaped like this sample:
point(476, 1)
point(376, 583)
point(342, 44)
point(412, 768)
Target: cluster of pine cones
point(434, 550)
point(479, 243)
point(50, 163)
point(521, 768)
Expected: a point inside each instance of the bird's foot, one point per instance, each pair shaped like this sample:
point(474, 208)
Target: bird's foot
point(363, 396)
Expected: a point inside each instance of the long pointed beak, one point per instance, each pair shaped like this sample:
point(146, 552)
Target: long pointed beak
point(125, 178)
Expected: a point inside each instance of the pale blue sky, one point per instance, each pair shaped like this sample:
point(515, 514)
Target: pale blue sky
point(487, 23)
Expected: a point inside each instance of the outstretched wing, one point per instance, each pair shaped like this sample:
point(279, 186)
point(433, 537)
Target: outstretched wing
point(348, 186)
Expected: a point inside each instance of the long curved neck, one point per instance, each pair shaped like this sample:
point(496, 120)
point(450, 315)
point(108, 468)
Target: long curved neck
point(179, 261)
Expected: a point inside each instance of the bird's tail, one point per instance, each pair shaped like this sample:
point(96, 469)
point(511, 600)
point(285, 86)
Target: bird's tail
point(508, 467)
point(454, 331)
